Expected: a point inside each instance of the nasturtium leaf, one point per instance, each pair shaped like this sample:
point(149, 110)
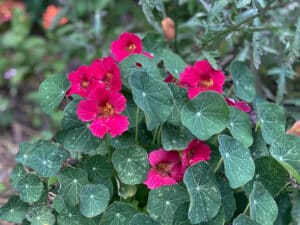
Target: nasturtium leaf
point(71, 182)
point(136, 64)
point(118, 213)
point(94, 199)
point(271, 174)
point(164, 201)
point(244, 220)
point(173, 63)
point(205, 115)
point(219, 219)
point(98, 167)
point(123, 142)
point(181, 215)
point(240, 126)
point(44, 157)
point(180, 98)
point(296, 209)
point(153, 97)
point(16, 174)
point(272, 121)
point(14, 210)
point(153, 43)
point(243, 81)
point(52, 91)
point(141, 218)
point(259, 147)
point(70, 216)
point(174, 137)
point(130, 112)
point(284, 209)
point(58, 204)
point(126, 191)
point(263, 207)
point(131, 164)
point(70, 119)
point(40, 215)
point(205, 196)
point(30, 188)
point(239, 165)
point(228, 200)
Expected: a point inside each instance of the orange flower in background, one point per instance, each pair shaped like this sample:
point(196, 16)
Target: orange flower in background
point(168, 27)
point(6, 9)
point(50, 14)
point(295, 129)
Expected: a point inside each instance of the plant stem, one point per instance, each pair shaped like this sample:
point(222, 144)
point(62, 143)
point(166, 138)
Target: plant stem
point(137, 125)
point(287, 184)
point(107, 144)
point(246, 209)
point(218, 165)
point(154, 135)
point(158, 139)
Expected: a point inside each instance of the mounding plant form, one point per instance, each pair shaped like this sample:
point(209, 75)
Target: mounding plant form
point(148, 139)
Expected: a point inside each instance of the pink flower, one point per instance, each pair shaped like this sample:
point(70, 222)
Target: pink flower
point(81, 82)
point(196, 151)
point(103, 108)
point(125, 45)
point(170, 79)
point(107, 73)
point(166, 169)
point(295, 129)
point(238, 104)
point(201, 77)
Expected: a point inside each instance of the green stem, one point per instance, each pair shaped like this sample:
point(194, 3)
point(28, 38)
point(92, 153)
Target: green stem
point(246, 209)
point(107, 144)
point(218, 165)
point(287, 184)
point(154, 136)
point(137, 125)
point(158, 139)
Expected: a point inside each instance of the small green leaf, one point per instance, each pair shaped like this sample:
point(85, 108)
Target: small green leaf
point(205, 115)
point(205, 196)
point(272, 121)
point(58, 204)
point(71, 182)
point(141, 218)
point(93, 199)
point(131, 164)
point(14, 210)
point(174, 137)
point(244, 220)
point(259, 147)
point(263, 207)
point(52, 91)
point(118, 213)
point(44, 157)
point(153, 97)
point(240, 126)
point(173, 63)
point(164, 201)
point(98, 167)
point(40, 215)
point(30, 188)
point(239, 166)
point(16, 174)
point(243, 81)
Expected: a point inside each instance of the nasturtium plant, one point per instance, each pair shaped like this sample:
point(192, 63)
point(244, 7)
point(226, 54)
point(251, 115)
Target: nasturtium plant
point(153, 134)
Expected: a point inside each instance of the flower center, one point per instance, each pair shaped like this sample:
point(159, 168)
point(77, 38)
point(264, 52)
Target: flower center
point(164, 169)
point(207, 83)
point(106, 111)
point(131, 47)
point(84, 84)
point(107, 78)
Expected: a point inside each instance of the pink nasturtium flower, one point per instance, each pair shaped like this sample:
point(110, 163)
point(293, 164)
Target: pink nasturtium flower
point(201, 77)
point(238, 104)
point(166, 169)
point(81, 82)
point(295, 129)
point(196, 151)
point(125, 45)
point(103, 109)
point(107, 73)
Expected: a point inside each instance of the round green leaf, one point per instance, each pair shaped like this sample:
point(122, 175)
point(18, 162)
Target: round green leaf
point(40, 215)
point(205, 115)
point(30, 188)
point(153, 97)
point(131, 164)
point(14, 210)
point(118, 213)
point(52, 91)
point(70, 216)
point(263, 207)
point(243, 81)
point(70, 119)
point(71, 182)
point(164, 201)
point(58, 204)
point(174, 137)
point(123, 142)
point(240, 126)
point(244, 220)
point(44, 157)
point(173, 63)
point(181, 215)
point(205, 196)
point(94, 199)
point(98, 167)
point(130, 112)
point(154, 43)
point(272, 121)
point(259, 147)
point(141, 218)
point(16, 174)
point(239, 165)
